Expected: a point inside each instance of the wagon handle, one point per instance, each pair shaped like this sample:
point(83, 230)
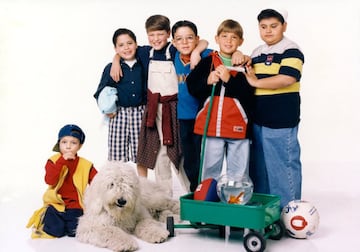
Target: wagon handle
point(203, 140)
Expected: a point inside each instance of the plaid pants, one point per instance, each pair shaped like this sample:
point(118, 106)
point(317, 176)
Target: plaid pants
point(123, 134)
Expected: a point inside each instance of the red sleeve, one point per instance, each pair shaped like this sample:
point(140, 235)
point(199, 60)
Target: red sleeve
point(92, 173)
point(52, 171)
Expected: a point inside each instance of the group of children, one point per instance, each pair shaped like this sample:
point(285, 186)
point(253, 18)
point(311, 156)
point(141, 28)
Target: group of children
point(161, 95)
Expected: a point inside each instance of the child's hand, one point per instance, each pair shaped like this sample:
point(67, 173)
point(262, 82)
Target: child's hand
point(111, 115)
point(69, 155)
point(238, 58)
point(247, 60)
point(223, 73)
point(115, 70)
point(213, 78)
point(194, 60)
point(195, 56)
point(250, 76)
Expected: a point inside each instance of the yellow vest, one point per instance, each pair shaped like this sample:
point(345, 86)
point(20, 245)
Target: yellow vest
point(80, 179)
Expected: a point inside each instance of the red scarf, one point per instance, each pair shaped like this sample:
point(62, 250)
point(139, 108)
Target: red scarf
point(216, 60)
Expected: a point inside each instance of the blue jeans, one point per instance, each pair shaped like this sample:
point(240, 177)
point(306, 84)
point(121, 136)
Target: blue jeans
point(275, 166)
point(236, 152)
point(59, 224)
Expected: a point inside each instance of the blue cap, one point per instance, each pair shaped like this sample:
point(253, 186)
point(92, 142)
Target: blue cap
point(69, 130)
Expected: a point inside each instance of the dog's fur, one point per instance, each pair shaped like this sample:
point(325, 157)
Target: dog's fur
point(118, 204)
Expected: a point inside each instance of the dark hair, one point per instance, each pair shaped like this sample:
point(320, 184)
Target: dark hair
point(270, 13)
point(184, 23)
point(157, 23)
point(123, 31)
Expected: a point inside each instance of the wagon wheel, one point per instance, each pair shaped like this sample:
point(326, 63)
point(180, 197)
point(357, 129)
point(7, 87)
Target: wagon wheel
point(277, 230)
point(170, 226)
point(254, 242)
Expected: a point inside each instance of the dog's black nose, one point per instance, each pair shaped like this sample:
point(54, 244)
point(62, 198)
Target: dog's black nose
point(121, 202)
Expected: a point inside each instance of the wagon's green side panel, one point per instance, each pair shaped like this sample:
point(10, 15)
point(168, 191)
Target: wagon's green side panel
point(261, 211)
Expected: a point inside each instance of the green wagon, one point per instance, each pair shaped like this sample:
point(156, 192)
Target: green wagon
point(260, 218)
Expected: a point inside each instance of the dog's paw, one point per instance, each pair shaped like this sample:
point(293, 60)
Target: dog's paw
point(160, 235)
point(153, 233)
point(125, 245)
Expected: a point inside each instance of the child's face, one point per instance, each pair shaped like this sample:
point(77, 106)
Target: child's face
point(228, 43)
point(158, 39)
point(125, 47)
point(185, 40)
point(271, 30)
point(69, 146)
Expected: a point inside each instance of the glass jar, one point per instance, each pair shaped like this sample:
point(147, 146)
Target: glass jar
point(235, 190)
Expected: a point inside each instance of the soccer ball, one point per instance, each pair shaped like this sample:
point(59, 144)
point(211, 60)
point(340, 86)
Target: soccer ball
point(301, 219)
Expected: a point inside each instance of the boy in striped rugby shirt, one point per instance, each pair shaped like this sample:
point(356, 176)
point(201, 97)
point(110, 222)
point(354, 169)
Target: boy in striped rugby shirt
point(275, 73)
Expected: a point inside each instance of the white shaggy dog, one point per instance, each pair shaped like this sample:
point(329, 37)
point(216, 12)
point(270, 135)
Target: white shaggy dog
point(118, 204)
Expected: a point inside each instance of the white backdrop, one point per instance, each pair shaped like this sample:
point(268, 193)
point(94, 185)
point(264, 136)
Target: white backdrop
point(52, 54)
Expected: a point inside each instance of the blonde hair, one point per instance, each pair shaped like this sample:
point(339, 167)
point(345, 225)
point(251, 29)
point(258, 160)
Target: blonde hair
point(230, 25)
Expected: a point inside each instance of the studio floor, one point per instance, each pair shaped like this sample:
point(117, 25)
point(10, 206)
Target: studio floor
point(338, 230)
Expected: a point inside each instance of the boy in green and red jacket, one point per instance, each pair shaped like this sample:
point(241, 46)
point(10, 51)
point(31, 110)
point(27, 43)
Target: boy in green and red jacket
point(228, 131)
